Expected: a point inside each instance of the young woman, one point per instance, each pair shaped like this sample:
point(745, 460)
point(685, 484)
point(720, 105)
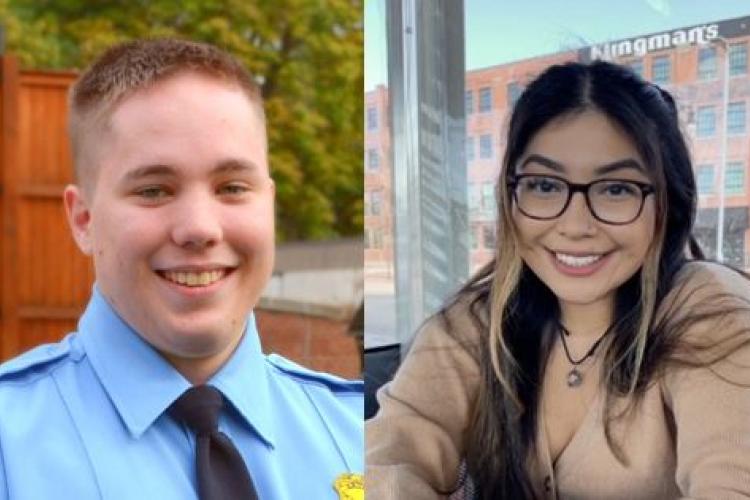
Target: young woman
point(597, 356)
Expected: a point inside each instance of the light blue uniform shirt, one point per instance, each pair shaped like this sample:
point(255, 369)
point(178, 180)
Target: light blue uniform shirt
point(85, 419)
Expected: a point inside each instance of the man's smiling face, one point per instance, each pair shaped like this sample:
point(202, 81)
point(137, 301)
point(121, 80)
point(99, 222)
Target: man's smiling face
point(180, 218)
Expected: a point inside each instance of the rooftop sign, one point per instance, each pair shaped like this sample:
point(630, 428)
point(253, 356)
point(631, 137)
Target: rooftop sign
point(693, 35)
point(640, 46)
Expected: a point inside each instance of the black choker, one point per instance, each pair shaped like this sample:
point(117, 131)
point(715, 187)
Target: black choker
point(575, 377)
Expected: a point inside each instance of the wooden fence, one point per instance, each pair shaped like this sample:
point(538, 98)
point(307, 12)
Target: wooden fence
point(45, 280)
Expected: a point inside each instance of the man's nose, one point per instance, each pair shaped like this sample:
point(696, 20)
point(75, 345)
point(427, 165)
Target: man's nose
point(196, 221)
point(577, 219)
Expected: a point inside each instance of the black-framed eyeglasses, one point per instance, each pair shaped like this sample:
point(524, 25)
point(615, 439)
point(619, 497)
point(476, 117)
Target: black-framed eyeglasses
point(611, 201)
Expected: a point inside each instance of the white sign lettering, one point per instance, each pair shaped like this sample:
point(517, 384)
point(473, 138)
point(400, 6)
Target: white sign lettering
point(699, 35)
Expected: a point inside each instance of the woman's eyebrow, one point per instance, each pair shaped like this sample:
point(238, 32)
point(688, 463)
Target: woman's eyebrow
point(544, 161)
point(628, 163)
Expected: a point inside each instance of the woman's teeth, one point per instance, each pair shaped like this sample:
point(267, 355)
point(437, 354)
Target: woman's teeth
point(577, 261)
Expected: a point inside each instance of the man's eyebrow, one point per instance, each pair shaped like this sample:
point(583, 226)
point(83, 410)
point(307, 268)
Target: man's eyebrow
point(147, 171)
point(628, 163)
point(232, 165)
point(236, 165)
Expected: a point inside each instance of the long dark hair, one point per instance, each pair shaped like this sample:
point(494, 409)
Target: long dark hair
point(512, 308)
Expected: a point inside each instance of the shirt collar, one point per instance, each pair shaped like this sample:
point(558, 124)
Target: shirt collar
point(142, 384)
point(243, 381)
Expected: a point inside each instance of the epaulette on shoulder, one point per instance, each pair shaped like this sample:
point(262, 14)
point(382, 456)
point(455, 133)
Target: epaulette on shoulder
point(302, 374)
point(35, 361)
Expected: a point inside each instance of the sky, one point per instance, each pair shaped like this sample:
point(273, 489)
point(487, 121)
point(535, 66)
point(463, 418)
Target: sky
point(501, 31)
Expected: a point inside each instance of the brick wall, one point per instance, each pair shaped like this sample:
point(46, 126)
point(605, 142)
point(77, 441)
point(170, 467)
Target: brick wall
point(316, 342)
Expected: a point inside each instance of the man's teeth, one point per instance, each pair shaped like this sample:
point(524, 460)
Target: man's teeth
point(577, 261)
point(194, 279)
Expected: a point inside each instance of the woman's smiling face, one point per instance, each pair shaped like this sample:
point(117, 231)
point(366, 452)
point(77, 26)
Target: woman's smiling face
point(580, 258)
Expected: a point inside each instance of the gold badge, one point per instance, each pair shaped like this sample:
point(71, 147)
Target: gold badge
point(350, 487)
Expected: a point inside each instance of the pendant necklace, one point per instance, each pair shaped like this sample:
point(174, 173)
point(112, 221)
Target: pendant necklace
point(575, 377)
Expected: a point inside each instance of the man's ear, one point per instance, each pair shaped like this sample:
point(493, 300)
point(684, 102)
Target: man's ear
point(79, 216)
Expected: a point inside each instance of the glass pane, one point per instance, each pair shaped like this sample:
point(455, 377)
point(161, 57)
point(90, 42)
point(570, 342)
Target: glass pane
point(417, 199)
point(469, 102)
point(705, 179)
point(706, 125)
point(380, 312)
point(736, 118)
point(661, 69)
point(738, 59)
point(505, 49)
point(707, 63)
point(485, 146)
point(734, 182)
point(485, 99)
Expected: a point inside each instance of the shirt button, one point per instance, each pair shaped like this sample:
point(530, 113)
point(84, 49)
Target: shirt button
point(547, 483)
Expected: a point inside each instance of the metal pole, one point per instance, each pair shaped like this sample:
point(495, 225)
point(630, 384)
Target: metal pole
point(723, 162)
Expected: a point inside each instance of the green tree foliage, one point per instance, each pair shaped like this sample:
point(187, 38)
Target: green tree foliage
point(306, 54)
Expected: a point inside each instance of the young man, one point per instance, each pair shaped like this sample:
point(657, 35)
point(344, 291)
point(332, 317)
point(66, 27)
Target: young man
point(163, 391)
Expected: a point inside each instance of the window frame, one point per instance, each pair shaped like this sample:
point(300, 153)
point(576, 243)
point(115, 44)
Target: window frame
point(699, 174)
point(733, 48)
point(489, 144)
point(713, 72)
point(730, 129)
point(698, 129)
point(655, 64)
point(735, 189)
point(373, 159)
point(485, 100)
point(372, 118)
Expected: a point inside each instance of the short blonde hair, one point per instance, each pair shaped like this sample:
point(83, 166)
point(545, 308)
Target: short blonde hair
point(131, 66)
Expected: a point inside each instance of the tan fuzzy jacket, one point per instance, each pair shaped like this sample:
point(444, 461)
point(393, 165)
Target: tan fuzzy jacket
point(690, 437)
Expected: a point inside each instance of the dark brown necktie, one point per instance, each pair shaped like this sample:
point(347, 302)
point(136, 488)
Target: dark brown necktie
point(222, 474)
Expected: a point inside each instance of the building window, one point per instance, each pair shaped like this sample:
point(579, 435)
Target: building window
point(485, 146)
point(514, 92)
point(376, 202)
point(707, 63)
point(661, 70)
point(469, 101)
point(373, 203)
point(705, 178)
point(372, 119)
point(488, 233)
point(736, 118)
point(734, 179)
point(373, 159)
point(637, 66)
point(485, 99)
point(470, 148)
point(377, 238)
point(738, 59)
point(474, 197)
point(374, 238)
point(706, 121)
point(488, 197)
